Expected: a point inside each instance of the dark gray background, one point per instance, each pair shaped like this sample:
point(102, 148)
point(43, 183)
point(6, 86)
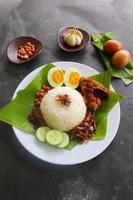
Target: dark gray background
point(22, 176)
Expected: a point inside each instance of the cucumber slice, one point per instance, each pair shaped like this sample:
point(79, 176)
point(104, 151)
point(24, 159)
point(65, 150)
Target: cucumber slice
point(54, 137)
point(41, 133)
point(65, 141)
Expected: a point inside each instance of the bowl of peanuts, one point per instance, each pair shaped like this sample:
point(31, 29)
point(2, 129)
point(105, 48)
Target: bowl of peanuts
point(23, 49)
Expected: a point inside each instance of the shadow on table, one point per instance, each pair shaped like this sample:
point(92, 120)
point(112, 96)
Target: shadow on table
point(69, 56)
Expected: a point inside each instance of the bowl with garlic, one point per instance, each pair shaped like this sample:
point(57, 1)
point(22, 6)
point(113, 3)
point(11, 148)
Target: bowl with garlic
point(72, 39)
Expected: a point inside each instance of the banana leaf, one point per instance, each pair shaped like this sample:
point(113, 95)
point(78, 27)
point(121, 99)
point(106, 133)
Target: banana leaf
point(16, 112)
point(125, 74)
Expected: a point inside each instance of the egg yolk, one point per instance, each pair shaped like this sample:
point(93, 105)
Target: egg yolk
point(74, 78)
point(57, 76)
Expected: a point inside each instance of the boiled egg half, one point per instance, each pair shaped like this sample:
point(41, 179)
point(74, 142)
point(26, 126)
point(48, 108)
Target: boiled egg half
point(71, 78)
point(56, 77)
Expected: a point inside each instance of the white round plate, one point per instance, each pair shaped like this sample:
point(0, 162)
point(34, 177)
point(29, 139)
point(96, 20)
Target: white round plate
point(80, 153)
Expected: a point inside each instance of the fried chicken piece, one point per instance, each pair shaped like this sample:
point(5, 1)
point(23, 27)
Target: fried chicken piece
point(93, 92)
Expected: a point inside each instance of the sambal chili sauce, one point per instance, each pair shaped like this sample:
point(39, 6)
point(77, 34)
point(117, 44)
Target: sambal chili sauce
point(35, 117)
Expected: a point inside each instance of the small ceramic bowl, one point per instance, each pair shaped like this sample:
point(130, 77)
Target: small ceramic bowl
point(12, 49)
point(65, 47)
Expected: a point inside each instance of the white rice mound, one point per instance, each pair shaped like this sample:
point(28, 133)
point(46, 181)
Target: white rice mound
point(59, 116)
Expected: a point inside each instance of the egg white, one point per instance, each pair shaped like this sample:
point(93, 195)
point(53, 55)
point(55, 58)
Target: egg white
point(67, 75)
point(50, 75)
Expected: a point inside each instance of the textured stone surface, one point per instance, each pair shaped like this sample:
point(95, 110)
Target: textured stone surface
point(23, 177)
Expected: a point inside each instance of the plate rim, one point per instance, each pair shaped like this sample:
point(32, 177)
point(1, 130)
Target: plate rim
point(73, 163)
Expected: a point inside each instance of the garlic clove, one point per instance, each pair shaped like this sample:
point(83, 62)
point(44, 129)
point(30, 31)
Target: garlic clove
point(71, 40)
point(78, 40)
point(65, 37)
point(80, 34)
point(71, 31)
